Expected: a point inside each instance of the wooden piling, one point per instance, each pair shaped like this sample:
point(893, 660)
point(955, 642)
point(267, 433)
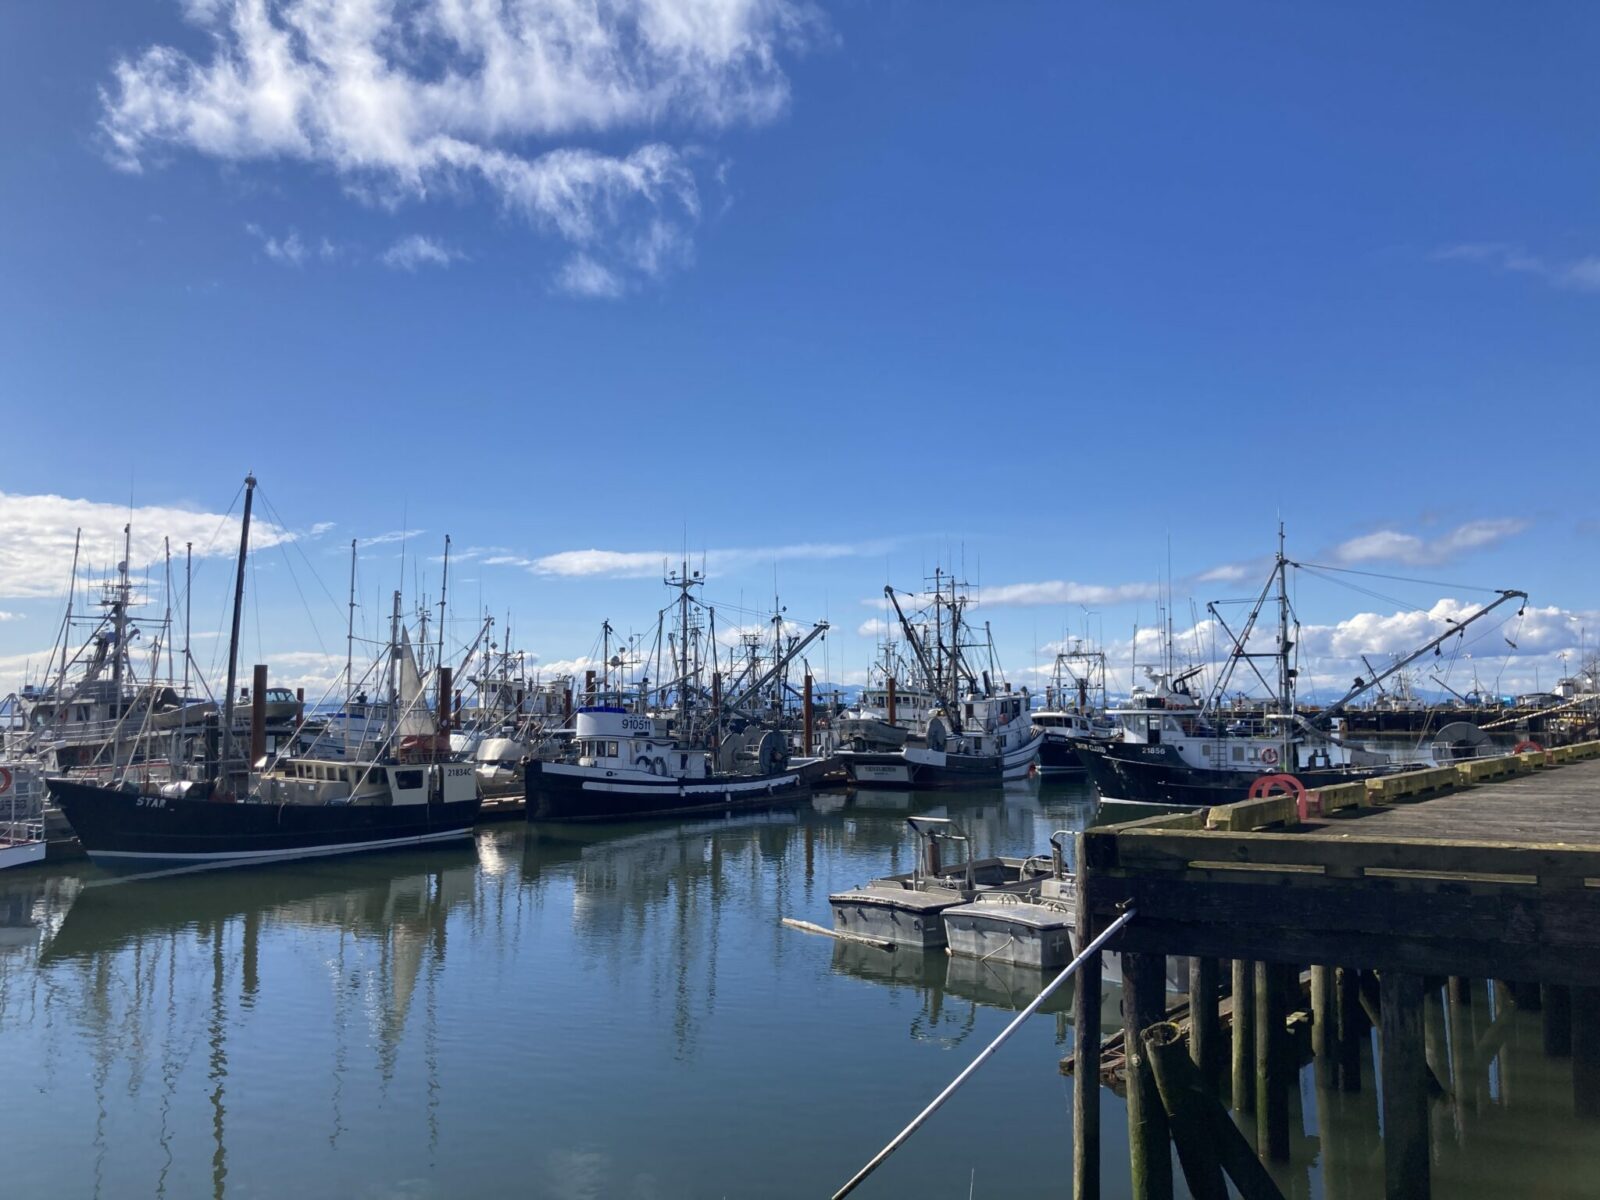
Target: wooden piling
point(1144, 1004)
point(1205, 1037)
point(1406, 1165)
point(1586, 1052)
point(808, 720)
point(446, 689)
point(1244, 1035)
point(1185, 1098)
point(1557, 1009)
point(258, 715)
point(1272, 1065)
point(1324, 1017)
point(1352, 1028)
point(1181, 1088)
point(1086, 1071)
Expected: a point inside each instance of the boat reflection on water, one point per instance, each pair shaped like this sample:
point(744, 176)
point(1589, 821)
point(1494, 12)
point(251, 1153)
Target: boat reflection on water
point(391, 895)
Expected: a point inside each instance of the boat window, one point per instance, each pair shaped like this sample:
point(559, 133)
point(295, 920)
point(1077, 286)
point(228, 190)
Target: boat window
point(407, 780)
point(1238, 754)
point(611, 749)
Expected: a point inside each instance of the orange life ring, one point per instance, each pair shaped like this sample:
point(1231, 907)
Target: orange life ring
point(1269, 756)
point(1277, 785)
point(5, 780)
point(1521, 747)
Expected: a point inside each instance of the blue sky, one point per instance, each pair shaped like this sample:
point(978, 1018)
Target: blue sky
point(837, 290)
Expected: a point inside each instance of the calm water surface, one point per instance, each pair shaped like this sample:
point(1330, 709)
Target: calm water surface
point(589, 1013)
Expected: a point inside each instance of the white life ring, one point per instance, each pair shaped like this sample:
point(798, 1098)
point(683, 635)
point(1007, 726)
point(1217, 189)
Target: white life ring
point(1269, 756)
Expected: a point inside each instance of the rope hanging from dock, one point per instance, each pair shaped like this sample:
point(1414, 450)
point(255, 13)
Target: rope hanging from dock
point(1016, 1023)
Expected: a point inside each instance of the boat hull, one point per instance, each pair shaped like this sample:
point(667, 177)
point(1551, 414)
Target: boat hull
point(1057, 756)
point(122, 828)
point(1159, 775)
point(1017, 933)
point(923, 769)
point(563, 792)
point(21, 854)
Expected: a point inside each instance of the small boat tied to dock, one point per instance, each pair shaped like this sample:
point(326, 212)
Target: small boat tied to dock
point(908, 909)
point(1031, 928)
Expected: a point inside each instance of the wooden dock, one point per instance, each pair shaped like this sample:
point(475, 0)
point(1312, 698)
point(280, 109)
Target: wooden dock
point(1385, 891)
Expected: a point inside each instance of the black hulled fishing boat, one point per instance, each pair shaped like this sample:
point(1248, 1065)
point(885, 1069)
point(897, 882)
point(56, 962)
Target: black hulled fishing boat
point(676, 749)
point(1178, 749)
point(408, 794)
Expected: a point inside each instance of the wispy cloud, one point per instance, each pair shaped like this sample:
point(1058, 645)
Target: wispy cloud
point(640, 563)
point(415, 251)
point(403, 102)
point(582, 276)
point(12, 616)
point(36, 537)
point(1058, 591)
point(394, 535)
point(1392, 545)
point(290, 248)
point(1580, 274)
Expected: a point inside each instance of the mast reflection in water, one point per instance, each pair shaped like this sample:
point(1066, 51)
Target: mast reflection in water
point(551, 1012)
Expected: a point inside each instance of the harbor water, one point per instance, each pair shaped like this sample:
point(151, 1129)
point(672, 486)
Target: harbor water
point(607, 1012)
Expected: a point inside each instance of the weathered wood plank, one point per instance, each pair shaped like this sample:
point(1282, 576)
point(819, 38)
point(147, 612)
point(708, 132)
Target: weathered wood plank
point(1161, 849)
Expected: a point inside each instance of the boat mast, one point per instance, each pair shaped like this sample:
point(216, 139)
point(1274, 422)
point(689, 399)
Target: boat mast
point(1285, 670)
point(394, 667)
point(120, 624)
point(66, 625)
point(350, 636)
point(233, 638)
point(444, 590)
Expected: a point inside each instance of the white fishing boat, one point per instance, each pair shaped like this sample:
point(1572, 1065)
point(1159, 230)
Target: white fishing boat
point(21, 821)
point(978, 732)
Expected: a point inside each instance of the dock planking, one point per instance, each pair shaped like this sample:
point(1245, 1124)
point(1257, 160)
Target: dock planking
point(1397, 887)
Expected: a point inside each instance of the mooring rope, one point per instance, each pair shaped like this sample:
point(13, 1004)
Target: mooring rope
point(1016, 1023)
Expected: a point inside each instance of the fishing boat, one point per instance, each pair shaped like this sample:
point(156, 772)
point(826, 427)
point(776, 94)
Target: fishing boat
point(1033, 928)
point(1177, 748)
point(21, 825)
point(1074, 710)
point(678, 748)
point(285, 808)
point(978, 732)
point(907, 909)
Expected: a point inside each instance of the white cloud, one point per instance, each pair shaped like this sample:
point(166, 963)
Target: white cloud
point(875, 627)
point(1390, 545)
point(36, 536)
point(11, 616)
point(1058, 591)
point(290, 248)
point(403, 102)
point(1580, 274)
point(394, 535)
point(415, 251)
point(582, 276)
point(625, 564)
